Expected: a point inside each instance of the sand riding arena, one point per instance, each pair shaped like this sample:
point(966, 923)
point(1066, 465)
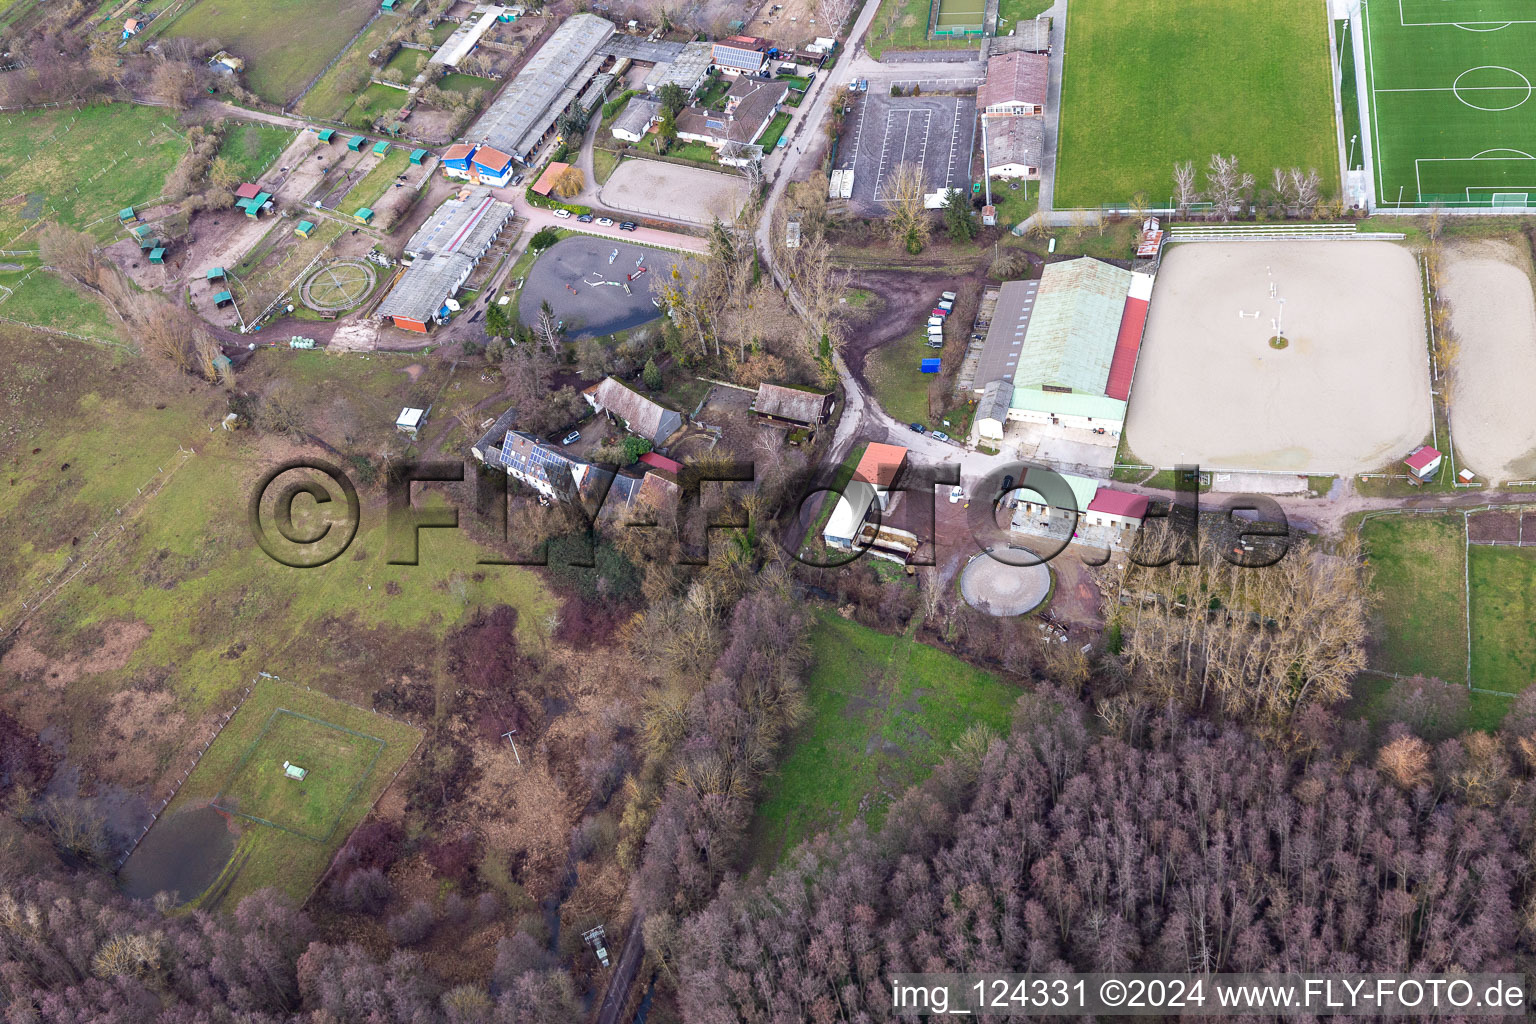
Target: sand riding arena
point(1296, 357)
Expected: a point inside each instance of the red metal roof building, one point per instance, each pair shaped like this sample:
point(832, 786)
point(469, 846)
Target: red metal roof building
point(1423, 462)
point(1122, 366)
point(1119, 503)
point(248, 191)
point(661, 462)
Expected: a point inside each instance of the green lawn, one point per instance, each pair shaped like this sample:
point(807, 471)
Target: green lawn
point(604, 162)
point(1011, 12)
point(893, 372)
point(456, 82)
point(49, 300)
point(373, 103)
point(775, 129)
point(408, 62)
point(351, 756)
point(284, 43)
point(903, 25)
point(1420, 623)
point(115, 154)
point(884, 712)
point(1146, 86)
point(376, 182)
point(1443, 95)
point(328, 98)
point(252, 148)
point(713, 92)
point(1503, 584)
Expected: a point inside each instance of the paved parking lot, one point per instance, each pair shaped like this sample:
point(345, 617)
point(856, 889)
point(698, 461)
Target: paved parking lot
point(884, 131)
point(594, 285)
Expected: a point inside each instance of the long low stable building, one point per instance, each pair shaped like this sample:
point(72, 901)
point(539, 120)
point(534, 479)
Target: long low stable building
point(525, 112)
point(466, 37)
point(1062, 351)
point(443, 253)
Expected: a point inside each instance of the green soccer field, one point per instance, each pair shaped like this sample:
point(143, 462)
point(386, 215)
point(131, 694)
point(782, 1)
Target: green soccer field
point(336, 761)
point(1149, 83)
point(1449, 93)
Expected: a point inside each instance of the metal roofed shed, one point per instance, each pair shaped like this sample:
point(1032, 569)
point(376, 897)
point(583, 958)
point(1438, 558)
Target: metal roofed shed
point(530, 103)
point(355, 143)
point(325, 134)
point(1005, 337)
point(650, 51)
point(381, 147)
point(418, 155)
point(410, 420)
point(546, 182)
point(791, 405)
point(126, 214)
point(468, 223)
point(157, 255)
point(992, 409)
point(638, 116)
point(418, 297)
point(1074, 327)
point(304, 228)
point(686, 71)
point(363, 215)
point(222, 298)
point(214, 274)
point(248, 190)
point(466, 37)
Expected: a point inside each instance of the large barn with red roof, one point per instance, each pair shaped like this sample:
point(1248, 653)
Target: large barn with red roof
point(1066, 349)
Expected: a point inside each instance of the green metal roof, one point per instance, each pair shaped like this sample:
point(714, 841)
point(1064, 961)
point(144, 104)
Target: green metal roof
point(1072, 333)
point(356, 142)
point(363, 213)
point(126, 213)
point(223, 297)
point(214, 273)
point(156, 255)
point(141, 230)
point(304, 227)
point(417, 155)
point(1098, 407)
point(326, 133)
point(382, 146)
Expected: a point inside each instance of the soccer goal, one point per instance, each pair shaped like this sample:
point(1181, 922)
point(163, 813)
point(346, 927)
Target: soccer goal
point(1517, 199)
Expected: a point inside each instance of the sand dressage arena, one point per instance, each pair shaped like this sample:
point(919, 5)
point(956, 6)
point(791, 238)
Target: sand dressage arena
point(658, 189)
point(1493, 419)
point(1349, 393)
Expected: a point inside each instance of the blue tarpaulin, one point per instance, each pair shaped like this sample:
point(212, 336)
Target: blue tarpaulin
point(930, 366)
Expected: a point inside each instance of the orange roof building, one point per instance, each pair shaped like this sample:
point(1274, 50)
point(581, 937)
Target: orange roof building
point(546, 182)
point(881, 464)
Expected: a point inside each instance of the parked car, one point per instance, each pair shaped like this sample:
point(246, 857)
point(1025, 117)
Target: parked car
point(562, 213)
point(572, 437)
point(955, 494)
point(917, 427)
point(517, 179)
point(585, 218)
point(605, 222)
point(863, 85)
point(939, 435)
point(628, 225)
point(613, 256)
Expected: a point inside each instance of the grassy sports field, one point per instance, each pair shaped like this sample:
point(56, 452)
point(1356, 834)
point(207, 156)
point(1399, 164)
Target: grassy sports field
point(290, 828)
point(903, 25)
point(884, 710)
point(1148, 84)
point(284, 43)
point(1503, 581)
point(1450, 103)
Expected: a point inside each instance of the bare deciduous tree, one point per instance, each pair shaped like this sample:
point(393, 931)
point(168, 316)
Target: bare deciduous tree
point(1185, 194)
point(1226, 184)
point(903, 201)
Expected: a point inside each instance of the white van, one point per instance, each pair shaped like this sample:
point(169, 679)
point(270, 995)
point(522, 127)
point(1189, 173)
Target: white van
point(947, 296)
point(935, 321)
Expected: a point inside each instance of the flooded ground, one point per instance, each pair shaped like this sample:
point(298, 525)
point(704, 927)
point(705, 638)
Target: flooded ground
point(183, 854)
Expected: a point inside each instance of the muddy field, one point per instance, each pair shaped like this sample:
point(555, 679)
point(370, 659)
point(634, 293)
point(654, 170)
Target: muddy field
point(1493, 419)
point(1348, 393)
